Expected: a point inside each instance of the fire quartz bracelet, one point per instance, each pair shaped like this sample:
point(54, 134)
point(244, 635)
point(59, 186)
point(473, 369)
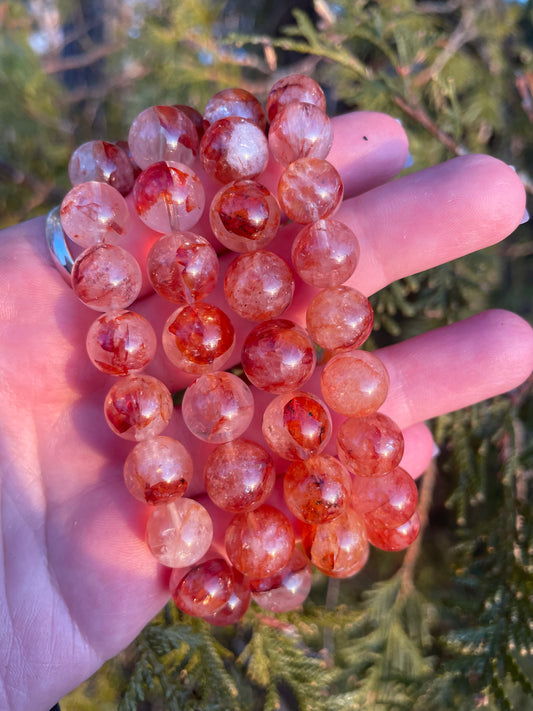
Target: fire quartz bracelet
point(334, 505)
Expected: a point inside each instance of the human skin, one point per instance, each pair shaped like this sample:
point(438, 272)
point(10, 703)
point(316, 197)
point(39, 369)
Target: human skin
point(77, 582)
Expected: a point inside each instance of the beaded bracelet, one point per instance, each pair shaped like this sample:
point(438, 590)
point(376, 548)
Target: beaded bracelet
point(335, 505)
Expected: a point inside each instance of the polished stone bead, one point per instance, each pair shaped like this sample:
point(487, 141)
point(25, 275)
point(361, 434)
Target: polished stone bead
point(259, 285)
point(179, 533)
point(260, 543)
point(218, 407)
point(370, 446)
point(395, 539)
point(235, 102)
point(234, 149)
point(387, 501)
point(310, 189)
point(294, 87)
point(102, 161)
point(158, 470)
point(339, 318)
point(300, 130)
point(355, 383)
point(138, 407)
point(94, 212)
point(162, 133)
point(278, 356)
point(286, 590)
point(202, 589)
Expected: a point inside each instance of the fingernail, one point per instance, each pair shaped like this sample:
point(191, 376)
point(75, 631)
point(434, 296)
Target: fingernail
point(399, 121)
point(436, 450)
point(525, 217)
point(408, 161)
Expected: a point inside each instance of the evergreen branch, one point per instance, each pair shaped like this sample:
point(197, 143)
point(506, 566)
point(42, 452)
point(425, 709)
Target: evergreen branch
point(418, 114)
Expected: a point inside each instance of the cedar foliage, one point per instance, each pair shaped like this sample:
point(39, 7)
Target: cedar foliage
point(449, 624)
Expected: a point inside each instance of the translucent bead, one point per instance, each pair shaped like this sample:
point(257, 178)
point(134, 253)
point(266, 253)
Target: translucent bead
point(179, 533)
point(325, 253)
point(244, 216)
point(169, 197)
point(259, 285)
point(310, 189)
point(295, 87)
point(317, 490)
point(196, 117)
point(138, 407)
point(121, 342)
point(296, 425)
point(158, 470)
point(278, 356)
point(395, 539)
point(239, 475)
point(370, 446)
point(182, 267)
point(202, 589)
point(339, 318)
point(237, 604)
point(218, 407)
point(286, 590)
point(102, 161)
point(94, 212)
point(260, 543)
point(199, 338)
point(338, 548)
point(106, 278)
point(235, 102)
point(387, 501)
point(162, 133)
point(355, 383)
point(234, 149)
point(300, 130)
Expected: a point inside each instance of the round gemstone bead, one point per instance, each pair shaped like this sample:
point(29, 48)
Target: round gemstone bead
point(196, 117)
point(317, 490)
point(387, 501)
point(338, 548)
point(295, 87)
point(106, 277)
point(234, 149)
point(158, 470)
point(94, 212)
point(198, 338)
point(260, 543)
point(202, 589)
point(138, 407)
point(102, 161)
point(244, 216)
point(310, 189)
point(339, 318)
point(296, 425)
point(218, 407)
point(235, 102)
point(179, 533)
point(169, 197)
point(121, 342)
point(286, 590)
point(182, 267)
point(162, 133)
point(236, 606)
point(370, 446)
point(259, 285)
point(300, 130)
point(325, 253)
point(355, 383)
point(395, 539)
point(239, 475)
point(278, 356)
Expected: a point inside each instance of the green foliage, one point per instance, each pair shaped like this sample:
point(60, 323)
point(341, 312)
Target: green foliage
point(457, 633)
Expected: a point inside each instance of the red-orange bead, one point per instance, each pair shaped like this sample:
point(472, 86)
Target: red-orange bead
point(234, 149)
point(310, 189)
point(286, 590)
point(355, 383)
point(235, 102)
point(138, 407)
point(317, 490)
point(339, 318)
point(300, 130)
point(387, 501)
point(278, 356)
point(395, 539)
point(295, 87)
point(370, 446)
point(202, 589)
point(338, 548)
point(260, 543)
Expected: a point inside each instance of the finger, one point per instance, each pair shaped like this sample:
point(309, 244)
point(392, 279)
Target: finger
point(456, 366)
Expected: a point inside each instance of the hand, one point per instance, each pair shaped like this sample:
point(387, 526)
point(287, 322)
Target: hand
point(77, 580)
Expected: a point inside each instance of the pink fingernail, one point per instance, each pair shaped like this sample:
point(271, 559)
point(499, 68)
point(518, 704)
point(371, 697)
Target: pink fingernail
point(525, 217)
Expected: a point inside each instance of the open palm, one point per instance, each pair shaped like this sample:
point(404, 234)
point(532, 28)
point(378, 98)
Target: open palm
point(78, 582)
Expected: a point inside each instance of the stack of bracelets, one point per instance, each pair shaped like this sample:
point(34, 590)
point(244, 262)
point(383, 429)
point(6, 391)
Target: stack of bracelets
point(334, 505)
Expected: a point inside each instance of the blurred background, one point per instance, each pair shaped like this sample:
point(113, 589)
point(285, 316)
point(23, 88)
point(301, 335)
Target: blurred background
point(449, 625)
